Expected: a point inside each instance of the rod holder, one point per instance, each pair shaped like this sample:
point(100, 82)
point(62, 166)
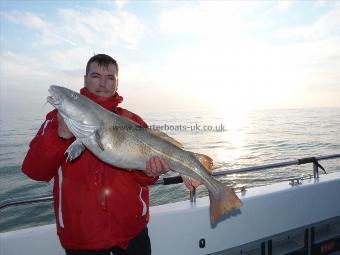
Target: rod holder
point(316, 170)
point(193, 195)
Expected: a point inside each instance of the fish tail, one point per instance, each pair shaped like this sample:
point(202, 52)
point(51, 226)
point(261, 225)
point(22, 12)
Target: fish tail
point(222, 201)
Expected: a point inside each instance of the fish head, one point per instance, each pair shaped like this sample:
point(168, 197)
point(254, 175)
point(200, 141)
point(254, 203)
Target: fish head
point(78, 112)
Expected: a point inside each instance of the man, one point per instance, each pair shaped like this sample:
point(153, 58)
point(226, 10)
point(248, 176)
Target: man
point(99, 208)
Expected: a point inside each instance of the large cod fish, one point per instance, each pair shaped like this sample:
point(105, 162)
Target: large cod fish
point(122, 143)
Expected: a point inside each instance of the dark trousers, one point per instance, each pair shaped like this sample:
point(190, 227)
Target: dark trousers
point(140, 245)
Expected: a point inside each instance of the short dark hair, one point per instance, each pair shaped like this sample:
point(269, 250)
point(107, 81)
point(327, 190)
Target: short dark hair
point(101, 60)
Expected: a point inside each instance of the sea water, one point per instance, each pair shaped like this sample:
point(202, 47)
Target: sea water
point(233, 139)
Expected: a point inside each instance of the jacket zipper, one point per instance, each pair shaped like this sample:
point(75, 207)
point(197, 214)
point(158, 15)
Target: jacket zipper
point(60, 184)
point(145, 208)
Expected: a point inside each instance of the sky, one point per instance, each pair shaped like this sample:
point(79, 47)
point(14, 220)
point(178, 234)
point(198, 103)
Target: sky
point(175, 55)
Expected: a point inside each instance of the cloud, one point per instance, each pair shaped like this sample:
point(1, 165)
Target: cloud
point(317, 47)
point(209, 18)
point(69, 59)
point(228, 63)
point(101, 28)
point(321, 3)
point(326, 26)
point(26, 74)
point(121, 3)
point(228, 59)
point(49, 33)
point(118, 4)
point(27, 19)
point(19, 66)
point(284, 5)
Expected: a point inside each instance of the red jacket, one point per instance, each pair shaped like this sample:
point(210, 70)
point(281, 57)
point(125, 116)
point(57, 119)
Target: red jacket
point(96, 205)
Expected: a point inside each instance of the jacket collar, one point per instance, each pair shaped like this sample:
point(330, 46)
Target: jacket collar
point(110, 103)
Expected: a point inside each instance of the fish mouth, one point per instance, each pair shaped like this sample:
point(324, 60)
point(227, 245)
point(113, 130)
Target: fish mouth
point(53, 99)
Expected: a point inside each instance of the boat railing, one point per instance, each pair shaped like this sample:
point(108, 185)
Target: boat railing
point(178, 179)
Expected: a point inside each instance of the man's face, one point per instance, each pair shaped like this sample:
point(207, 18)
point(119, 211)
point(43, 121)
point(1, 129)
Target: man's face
point(101, 81)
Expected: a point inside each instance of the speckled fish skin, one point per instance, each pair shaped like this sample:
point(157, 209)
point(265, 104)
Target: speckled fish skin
point(121, 143)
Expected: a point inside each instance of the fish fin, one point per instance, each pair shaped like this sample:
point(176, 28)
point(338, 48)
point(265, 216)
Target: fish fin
point(74, 150)
point(222, 202)
point(166, 137)
point(205, 160)
point(98, 141)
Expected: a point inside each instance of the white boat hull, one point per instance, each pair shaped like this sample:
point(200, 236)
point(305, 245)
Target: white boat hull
point(270, 213)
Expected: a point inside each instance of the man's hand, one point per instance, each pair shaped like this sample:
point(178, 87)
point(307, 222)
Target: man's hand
point(190, 183)
point(63, 130)
point(155, 166)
